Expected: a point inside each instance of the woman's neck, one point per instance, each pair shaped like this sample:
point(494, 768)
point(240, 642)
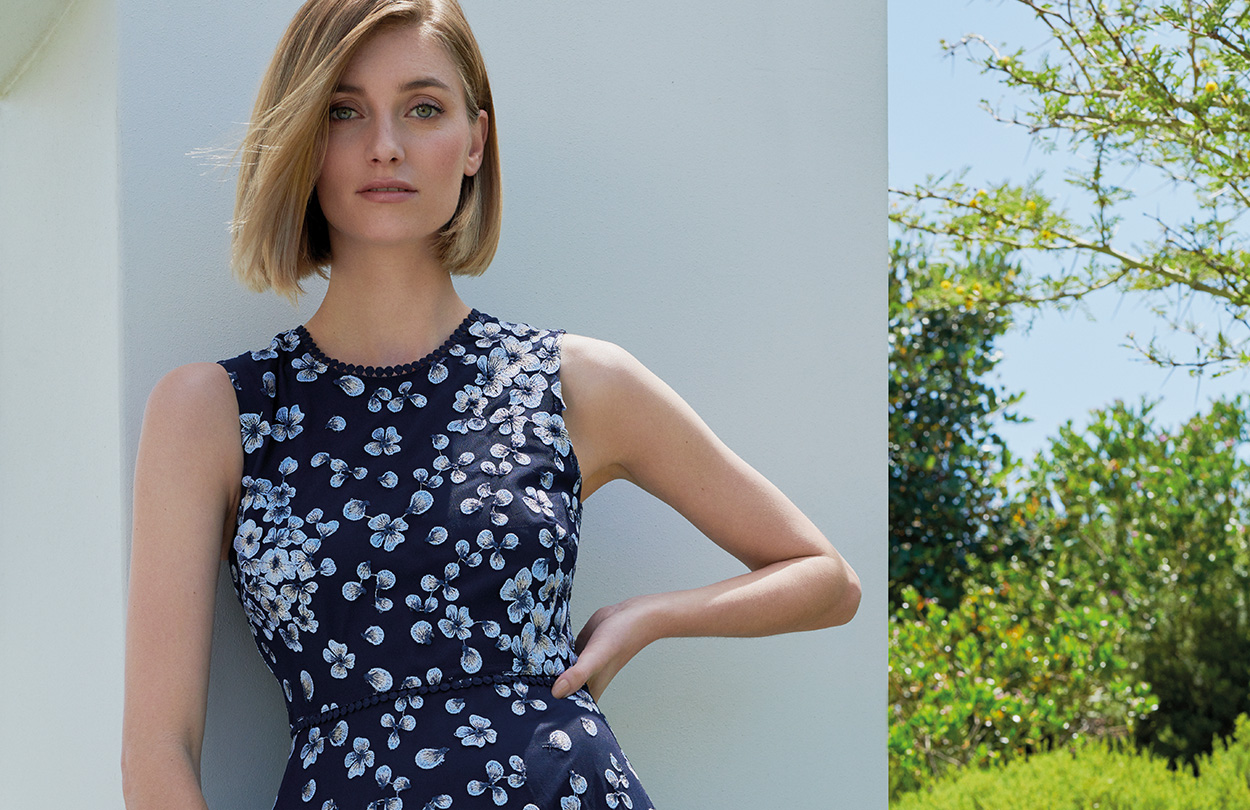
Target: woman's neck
point(385, 308)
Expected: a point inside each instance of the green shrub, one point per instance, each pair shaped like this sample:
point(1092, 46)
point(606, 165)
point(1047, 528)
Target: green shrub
point(1091, 776)
point(1155, 521)
point(991, 680)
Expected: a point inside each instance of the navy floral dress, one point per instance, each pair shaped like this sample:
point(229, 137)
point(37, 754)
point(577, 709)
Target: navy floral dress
point(404, 555)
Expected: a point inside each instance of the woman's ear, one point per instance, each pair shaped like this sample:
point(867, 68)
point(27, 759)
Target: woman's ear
point(480, 127)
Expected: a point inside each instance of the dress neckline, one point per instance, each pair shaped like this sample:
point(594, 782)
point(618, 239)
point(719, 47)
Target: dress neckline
point(461, 333)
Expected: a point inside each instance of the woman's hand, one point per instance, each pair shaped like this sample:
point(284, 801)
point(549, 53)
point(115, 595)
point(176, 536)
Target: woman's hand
point(614, 635)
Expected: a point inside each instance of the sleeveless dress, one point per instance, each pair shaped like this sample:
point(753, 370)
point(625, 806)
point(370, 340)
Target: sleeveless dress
point(404, 556)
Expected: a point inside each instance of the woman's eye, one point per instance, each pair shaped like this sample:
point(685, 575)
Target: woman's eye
point(341, 113)
point(425, 110)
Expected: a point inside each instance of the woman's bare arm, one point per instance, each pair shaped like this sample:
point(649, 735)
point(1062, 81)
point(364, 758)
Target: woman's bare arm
point(626, 423)
point(186, 488)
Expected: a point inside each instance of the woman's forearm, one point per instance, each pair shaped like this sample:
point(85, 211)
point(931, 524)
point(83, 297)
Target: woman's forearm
point(804, 593)
point(801, 593)
point(160, 777)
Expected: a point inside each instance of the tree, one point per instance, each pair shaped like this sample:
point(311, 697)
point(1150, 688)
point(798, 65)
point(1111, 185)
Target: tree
point(1150, 525)
point(1134, 91)
point(947, 465)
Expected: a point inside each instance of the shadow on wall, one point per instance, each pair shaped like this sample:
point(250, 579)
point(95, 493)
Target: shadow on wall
point(246, 775)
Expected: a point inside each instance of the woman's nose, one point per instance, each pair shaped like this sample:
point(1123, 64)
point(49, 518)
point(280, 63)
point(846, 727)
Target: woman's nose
point(385, 146)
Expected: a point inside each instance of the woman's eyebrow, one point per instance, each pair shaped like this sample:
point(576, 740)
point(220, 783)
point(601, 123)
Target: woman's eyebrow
point(415, 84)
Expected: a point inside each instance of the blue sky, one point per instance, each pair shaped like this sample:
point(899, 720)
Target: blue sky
point(1067, 363)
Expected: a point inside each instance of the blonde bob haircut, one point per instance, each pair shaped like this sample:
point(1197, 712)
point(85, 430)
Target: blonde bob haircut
point(279, 234)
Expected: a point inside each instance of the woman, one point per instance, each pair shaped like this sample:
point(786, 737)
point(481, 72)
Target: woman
point(397, 484)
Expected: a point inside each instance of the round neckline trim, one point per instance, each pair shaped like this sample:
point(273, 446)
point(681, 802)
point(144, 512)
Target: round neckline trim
point(403, 369)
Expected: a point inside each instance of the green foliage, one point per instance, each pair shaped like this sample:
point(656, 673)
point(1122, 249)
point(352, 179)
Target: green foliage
point(1156, 521)
point(992, 679)
point(946, 462)
point(1120, 611)
point(1139, 92)
point(1095, 776)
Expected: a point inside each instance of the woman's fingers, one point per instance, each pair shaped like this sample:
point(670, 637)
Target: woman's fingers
point(573, 678)
point(602, 647)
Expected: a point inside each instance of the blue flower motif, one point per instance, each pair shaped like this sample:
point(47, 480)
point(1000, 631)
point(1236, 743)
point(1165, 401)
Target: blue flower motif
point(457, 468)
point(380, 396)
point(470, 399)
point(405, 395)
point(428, 758)
point(404, 722)
point(495, 372)
point(276, 565)
point(549, 429)
point(458, 624)
point(385, 440)
point(538, 502)
point(511, 421)
point(388, 531)
point(527, 390)
point(478, 733)
point(486, 541)
point(339, 658)
point(523, 699)
point(359, 758)
point(247, 540)
point(431, 583)
point(309, 367)
point(578, 784)
point(494, 775)
point(516, 591)
point(255, 493)
point(286, 424)
point(620, 783)
point(315, 745)
point(546, 356)
point(466, 555)
point(254, 431)
point(486, 496)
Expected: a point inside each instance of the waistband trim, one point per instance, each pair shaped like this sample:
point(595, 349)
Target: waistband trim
point(332, 714)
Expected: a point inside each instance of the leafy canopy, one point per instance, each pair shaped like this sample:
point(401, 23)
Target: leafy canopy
point(1134, 93)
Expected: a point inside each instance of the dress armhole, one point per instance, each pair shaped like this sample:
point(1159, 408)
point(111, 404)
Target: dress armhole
point(556, 389)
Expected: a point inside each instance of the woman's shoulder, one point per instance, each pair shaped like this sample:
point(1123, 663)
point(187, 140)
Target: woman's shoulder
point(196, 401)
point(201, 382)
point(595, 362)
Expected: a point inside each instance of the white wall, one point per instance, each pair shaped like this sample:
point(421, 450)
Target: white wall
point(703, 183)
point(61, 487)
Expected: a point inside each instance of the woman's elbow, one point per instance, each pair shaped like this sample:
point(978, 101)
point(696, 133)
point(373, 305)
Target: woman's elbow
point(845, 593)
point(848, 597)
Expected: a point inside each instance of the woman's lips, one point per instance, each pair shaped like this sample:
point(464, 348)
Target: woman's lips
point(387, 193)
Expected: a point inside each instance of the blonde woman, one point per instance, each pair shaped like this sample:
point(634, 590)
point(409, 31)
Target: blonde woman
point(397, 484)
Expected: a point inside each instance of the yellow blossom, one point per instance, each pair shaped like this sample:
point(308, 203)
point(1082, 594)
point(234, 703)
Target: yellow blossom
point(946, 285)
point(1029, 204)
point(1211, 87)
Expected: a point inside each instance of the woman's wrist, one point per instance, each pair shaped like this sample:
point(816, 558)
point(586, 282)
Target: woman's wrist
point(660, 615)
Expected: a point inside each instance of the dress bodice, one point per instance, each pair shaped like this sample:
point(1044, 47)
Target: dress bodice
point(407, 529)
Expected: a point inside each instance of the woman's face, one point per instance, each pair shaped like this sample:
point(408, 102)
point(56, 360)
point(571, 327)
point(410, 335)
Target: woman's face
point(400, 143)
